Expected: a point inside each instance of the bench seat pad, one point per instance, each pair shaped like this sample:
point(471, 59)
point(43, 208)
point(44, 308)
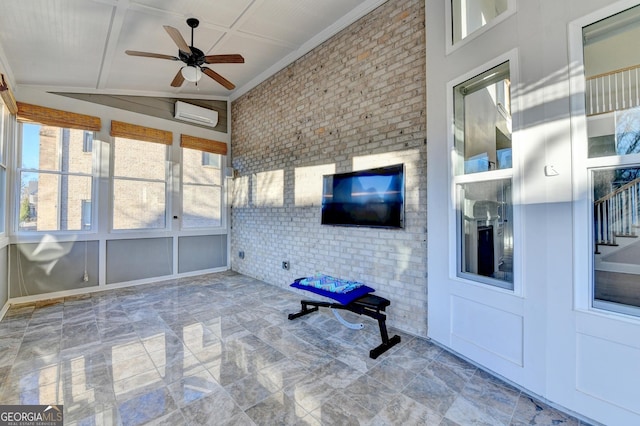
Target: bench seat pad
point(343, 298)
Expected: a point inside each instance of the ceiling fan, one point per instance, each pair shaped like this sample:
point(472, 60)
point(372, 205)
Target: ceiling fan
point(193, 58)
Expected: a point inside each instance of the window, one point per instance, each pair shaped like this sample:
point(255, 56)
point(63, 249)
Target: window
point(139, 184)
point(201, 189)
point(612, 105)
point(483, 177)
point(469, 16)
point(54, 178)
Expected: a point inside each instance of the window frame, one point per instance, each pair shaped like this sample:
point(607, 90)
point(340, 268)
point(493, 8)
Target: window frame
point(451, 47)
point(513, 173)
point(94, 177)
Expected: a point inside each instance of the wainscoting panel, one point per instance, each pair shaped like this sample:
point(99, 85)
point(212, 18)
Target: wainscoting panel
point(608, 371)
point(487, 328)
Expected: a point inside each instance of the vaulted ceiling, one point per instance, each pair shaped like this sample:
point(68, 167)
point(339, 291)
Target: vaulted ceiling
point(78, 46)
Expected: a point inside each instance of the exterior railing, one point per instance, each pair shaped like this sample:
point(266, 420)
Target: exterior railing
point(617, 214)
point(612, 91)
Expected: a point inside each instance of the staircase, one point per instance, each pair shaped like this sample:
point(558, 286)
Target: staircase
point(616, 225)
point(613, 91)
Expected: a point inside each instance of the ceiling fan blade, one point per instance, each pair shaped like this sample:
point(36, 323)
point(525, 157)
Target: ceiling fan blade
point(224, 59)
point(178, 39)
point(151, 55)
point(178, 79)
point(217, 77)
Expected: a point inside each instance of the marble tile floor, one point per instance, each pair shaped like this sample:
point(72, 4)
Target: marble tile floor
point(218, 349)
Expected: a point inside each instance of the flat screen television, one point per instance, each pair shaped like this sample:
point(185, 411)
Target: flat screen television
point(373, 198)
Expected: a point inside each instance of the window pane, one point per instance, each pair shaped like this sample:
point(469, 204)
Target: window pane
point(201, 189)
point(56, 175)
point(54, 149)
point(612, 75)
point(138, 204)
point(486, 231)
point(139, 184)
point(40, 147)
point(482, 114)
point(470, 15)
point(137, 159)
point(201, 206)
point(52, 202)
point(616, 208)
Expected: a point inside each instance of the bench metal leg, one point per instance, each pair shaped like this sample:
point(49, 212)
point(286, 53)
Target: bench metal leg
point(304, 311)
point(360, 310)
point(383, 347)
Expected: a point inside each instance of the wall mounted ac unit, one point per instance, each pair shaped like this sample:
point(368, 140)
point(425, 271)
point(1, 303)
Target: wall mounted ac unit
point(196, 114)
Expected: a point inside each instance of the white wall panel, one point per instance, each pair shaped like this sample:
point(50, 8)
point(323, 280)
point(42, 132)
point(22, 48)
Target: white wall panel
point(609, 371)
point(546, 337)
point(500, 333)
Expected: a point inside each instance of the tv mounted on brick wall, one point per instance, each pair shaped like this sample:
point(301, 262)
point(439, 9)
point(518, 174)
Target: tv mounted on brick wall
point(373, 198)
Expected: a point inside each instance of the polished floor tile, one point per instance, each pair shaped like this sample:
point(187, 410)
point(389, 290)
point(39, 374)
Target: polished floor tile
point(218, 349)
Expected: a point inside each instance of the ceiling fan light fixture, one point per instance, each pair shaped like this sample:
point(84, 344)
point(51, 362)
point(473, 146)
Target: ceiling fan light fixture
point(191, 73)
point(192, 58)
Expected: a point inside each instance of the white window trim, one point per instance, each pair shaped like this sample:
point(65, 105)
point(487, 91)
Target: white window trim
point(583, 262)
point(514, 173)
point(450, 47)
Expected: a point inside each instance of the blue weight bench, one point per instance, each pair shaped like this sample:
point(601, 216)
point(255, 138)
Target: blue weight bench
point(358, 301)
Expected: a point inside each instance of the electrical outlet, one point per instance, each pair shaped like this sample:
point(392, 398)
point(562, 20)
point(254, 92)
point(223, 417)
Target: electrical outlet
point(241, 254)
point(85, 278)
point(285, 265)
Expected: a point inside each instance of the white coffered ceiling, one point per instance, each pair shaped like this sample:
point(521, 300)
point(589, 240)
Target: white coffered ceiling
point(78, 45)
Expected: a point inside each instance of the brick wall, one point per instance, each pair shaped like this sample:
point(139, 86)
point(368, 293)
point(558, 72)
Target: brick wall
point(355, 102)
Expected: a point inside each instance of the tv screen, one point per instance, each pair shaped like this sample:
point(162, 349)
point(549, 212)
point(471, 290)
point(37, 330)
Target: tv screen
point(372, 197)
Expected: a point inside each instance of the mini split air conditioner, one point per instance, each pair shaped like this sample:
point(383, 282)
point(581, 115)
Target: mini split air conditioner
point(196, 114)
